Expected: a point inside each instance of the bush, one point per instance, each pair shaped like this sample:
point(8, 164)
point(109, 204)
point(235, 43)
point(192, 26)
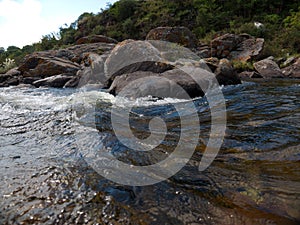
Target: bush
point(241, 66)
point(7, 65)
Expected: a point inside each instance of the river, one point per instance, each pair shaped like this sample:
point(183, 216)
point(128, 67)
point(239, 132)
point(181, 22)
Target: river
point(45, 179)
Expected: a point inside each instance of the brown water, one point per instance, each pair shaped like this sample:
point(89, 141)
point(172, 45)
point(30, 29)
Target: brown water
point(255, 178)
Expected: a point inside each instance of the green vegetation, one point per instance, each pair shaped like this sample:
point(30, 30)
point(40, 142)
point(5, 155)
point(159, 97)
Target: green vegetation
point(206, 18)
point(7, 65)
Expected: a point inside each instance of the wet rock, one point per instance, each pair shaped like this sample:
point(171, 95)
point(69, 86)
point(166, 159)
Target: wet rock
point(72, 83)
point(8, 80)
point(225, 73)
point(292, 71)
point(179, 35)
point(267, 68)
point(57, 81)
point(162, 85)
point(95, 39)
point(249, 74)
point(45, 67)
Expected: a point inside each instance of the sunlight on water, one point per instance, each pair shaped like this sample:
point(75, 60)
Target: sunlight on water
point(254, 180)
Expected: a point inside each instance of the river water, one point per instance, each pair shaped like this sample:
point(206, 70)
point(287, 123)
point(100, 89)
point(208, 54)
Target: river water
point(45, 179)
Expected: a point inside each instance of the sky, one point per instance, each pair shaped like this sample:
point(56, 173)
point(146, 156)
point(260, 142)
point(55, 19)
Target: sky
point(24, 22)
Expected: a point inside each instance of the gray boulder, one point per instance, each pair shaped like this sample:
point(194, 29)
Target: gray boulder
point(292, 71)
point(47, 66)
point(173, 83)
point(267, 68)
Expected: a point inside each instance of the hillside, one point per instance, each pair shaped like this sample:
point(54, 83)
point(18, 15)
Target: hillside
point(206, 18)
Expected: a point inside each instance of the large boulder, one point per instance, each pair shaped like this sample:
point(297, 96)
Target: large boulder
point(179, 35)
point(172, 83)
point(156, 68)
point(241, 47)
point(267, 68)
point(43, 67)
point(57, 81)
point(130, 56)
point(292, 71)
point(95, 39)
point(248, 49)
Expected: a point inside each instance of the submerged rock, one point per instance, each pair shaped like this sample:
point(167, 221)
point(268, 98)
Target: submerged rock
point(249, 74)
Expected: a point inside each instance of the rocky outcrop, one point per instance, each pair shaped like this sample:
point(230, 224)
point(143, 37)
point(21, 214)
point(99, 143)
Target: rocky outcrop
point(45, 67)
point(95, 39)
point(138, 76)
point(179, 35)
point(292, 71)
point(81, 64)
point(241, 47)
point(267, 68)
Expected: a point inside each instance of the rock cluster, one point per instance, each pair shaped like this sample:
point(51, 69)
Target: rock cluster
point(101, 60)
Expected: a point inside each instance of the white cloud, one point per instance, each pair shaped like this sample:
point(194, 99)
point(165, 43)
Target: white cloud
point(21, 22)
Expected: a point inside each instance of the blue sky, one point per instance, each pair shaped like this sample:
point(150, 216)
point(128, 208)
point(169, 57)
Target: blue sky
point(24, 22)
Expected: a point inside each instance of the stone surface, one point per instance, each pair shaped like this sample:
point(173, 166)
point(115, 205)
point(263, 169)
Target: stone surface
point(249, 74)
point(267, 68)
point(8, 80)
point(95, 39)
point(248, 49)
point(162, 85)
point(241, 47)
point(130, 56)
point(11, 77)
point(57, 81)
point(289, 61)
point(292, 71)
point(179, 35)
point(47, 66)
point(225, 73)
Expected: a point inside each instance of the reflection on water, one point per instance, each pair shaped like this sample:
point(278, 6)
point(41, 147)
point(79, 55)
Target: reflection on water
point(254, 180)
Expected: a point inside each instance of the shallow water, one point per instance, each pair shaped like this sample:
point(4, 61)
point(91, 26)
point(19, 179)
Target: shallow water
point(255, 179)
